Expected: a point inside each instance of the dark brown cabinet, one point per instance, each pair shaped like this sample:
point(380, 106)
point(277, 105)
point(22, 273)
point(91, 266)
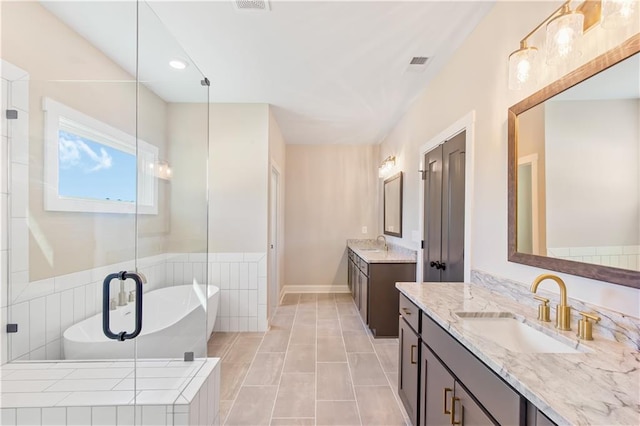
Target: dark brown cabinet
point(408, 369)
point(373, 287)
point(450, 386)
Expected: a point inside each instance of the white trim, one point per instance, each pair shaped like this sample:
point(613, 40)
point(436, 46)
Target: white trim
point(535, 208)
point(314, 289)
point(11, 72)
point(58, 115)
point(273, 166)
point(466, 123)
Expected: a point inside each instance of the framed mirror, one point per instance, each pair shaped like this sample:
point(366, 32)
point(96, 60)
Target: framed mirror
point(574, 171)
point(393, 205)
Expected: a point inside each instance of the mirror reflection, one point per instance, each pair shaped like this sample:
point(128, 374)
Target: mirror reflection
point(578, 171)
point(393, 205)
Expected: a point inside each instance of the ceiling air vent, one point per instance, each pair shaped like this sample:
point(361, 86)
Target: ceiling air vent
point(418, 60)
point(257, 5)
point(418, 64)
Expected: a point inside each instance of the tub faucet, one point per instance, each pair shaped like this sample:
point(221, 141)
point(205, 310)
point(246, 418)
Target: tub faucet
point(384, 241)
point(122, 295)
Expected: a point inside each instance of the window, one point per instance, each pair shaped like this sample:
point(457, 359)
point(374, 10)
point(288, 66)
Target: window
point(92, 167)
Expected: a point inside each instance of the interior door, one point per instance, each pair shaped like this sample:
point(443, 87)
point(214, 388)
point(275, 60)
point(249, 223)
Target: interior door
point(432, 214)
point(453, 191)
point(444, 211)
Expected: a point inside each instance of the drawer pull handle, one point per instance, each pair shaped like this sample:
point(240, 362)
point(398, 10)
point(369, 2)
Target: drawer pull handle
point(453, 411)
point(413, 361)
point(444, 401)
point(406, 311)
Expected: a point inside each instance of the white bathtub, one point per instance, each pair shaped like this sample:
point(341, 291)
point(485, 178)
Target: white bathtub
point(173, 322)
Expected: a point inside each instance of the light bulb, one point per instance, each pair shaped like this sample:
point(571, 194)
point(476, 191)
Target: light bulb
point(563, 33)
point(522, 67)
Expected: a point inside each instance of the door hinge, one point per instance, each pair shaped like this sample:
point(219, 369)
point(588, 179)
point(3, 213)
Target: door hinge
point(423, 174)
point(12, 328)
point(11, 114)
point(422, 244)
point(205, 82)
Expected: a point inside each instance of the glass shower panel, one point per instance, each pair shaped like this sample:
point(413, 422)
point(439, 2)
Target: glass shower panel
point(172, 240)
point(70, 201)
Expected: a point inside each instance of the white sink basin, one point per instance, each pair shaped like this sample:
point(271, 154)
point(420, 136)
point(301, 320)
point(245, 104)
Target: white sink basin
point(507, 331)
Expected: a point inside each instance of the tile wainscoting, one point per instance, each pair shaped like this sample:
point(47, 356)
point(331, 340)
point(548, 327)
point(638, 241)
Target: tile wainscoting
point(45, 308)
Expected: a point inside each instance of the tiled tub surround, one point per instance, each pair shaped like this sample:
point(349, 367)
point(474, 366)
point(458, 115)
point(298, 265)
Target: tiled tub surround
point(45, 308)
point(626, 257)
point(168, 392)
point(394, 254)
point(598, 387)
point(613, 325)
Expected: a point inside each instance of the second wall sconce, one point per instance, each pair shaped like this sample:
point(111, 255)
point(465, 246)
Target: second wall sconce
point(386, 166)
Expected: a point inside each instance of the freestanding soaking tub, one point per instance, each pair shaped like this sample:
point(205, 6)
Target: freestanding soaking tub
point(173, 322)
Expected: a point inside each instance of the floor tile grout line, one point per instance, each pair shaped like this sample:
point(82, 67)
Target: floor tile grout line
point(353, 388)
point(284, 361)
point(233, 403)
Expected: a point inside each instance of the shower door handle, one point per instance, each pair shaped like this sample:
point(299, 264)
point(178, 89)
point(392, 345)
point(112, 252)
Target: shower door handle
point(122, 335)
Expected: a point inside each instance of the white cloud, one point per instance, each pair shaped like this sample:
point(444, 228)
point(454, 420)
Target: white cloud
point(73, 152)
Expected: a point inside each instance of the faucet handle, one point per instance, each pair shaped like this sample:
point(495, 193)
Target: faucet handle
point(132, 296)
point(585, 327)
point(544, 312)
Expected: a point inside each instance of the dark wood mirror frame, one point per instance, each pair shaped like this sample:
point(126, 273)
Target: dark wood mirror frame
point(384, 206)
point(610, 274)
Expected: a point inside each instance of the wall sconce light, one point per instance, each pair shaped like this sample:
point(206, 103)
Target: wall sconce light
point(386, 165)
point(161, 170)
point(564, 30)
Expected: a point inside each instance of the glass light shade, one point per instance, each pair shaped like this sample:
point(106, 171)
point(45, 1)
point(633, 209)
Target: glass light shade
point(522, 67)
point(617, 13)
point(563, 35)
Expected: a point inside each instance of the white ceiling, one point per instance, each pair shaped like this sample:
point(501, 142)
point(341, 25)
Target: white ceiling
point(336, 72)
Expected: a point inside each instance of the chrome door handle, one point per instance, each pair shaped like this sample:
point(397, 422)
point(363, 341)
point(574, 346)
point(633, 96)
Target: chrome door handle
point(122, 335)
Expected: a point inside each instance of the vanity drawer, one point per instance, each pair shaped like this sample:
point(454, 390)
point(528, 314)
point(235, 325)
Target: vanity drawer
point(410, 312)
point(497, 397)
point(364, 266)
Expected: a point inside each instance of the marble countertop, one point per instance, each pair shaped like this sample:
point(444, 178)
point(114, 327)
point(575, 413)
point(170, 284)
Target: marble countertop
point(373, 252)
point(599, 386)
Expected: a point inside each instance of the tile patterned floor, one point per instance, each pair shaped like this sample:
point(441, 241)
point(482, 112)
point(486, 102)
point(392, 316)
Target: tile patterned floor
point(317, 365)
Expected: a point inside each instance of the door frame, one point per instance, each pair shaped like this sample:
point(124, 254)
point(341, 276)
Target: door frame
point(532, 160)
point(466, 123)
point(273, 285)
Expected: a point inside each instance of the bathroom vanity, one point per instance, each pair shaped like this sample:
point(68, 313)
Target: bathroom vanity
point(372, 274)
point(458, 365)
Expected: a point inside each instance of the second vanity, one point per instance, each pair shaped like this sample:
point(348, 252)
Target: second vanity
point(460, 365)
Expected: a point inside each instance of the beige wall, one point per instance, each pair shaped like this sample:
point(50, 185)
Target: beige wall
point(475, 79)
point(277, 158)
point(331, 192)
point(36, 41)
point(239, 164)
point(187, 189)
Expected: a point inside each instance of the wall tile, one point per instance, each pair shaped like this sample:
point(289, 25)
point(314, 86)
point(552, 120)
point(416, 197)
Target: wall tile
point(203, 416)
point(253, 303)
point(224, 275)
point(20, 139)
point(234, 302)
point(52, 309)
point(234, 276)
point(19, 190)
point(8, 416)
point(187, 274)
point(38, 354)
point(28, 416)
point(244, 275)
point(125, 415)
point(19, 342)
point(230, 257)
point(66, 310)
point(243, 303)
point(103, 416)
point(233, 324)
point(178, 273)
point(53, 350)
point(90, 300)
point(253, 324)
point(194, 412)
point(253, 275)
point(79, 301)
point(54, 415)
point(78, 416)
point(243, 324)
point(37, 323)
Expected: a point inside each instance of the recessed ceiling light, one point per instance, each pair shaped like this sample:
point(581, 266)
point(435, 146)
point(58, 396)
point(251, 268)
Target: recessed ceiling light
point(178, 64)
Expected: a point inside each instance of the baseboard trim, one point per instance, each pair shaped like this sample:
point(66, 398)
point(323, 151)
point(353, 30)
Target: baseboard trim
point(313, 289)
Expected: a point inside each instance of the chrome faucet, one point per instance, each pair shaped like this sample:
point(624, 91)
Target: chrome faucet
point(384, 241)
point(563, 311)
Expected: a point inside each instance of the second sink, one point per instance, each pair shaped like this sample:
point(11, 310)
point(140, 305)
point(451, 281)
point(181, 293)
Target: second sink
point(507, 331)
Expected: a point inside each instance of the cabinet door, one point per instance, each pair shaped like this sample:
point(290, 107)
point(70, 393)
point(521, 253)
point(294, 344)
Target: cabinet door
point(356, 286)
point(437, 387)
point(408, 370)
point(465, 411)
point(364, 297)
point(349, 274)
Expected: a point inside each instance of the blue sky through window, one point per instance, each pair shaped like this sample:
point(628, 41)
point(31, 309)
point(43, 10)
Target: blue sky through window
point(91, 170)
